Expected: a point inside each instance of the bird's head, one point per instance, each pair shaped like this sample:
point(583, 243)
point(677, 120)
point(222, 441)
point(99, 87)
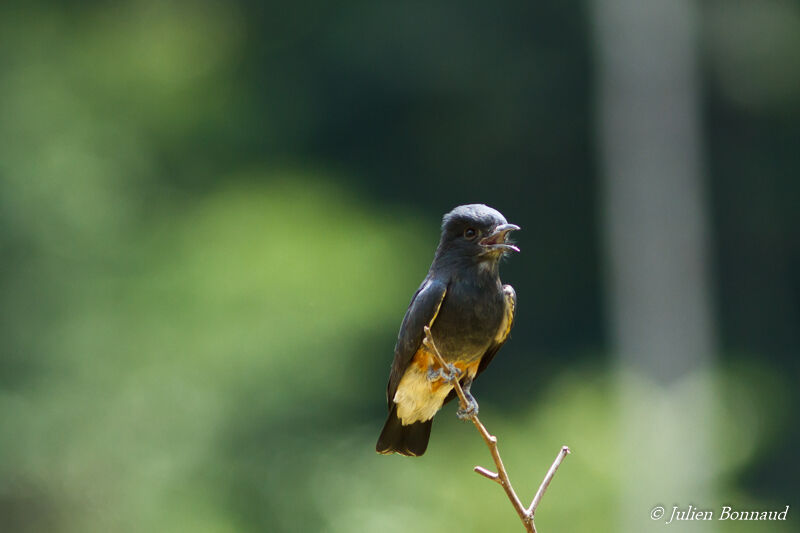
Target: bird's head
point(476, 232)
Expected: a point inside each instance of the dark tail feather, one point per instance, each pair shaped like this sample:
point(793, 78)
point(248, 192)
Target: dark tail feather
point(411, 440)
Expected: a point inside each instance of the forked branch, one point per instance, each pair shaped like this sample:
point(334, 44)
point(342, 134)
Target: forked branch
point(501, 477)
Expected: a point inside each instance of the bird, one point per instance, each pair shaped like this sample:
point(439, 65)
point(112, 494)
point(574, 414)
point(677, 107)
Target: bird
point(470, 314)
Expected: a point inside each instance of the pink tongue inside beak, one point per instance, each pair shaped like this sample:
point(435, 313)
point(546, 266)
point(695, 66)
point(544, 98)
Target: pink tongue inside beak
point(499, 237)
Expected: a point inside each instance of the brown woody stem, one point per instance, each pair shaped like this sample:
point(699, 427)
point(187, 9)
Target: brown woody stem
point(501, 477)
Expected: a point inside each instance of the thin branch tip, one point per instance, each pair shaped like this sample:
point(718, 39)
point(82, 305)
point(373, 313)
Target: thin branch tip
point(547, 479)
point(486, 473)
point(501, 477)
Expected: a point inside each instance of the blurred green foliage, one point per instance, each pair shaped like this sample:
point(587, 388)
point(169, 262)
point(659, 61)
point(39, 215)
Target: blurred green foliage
point(226, 314)
point(212, 216)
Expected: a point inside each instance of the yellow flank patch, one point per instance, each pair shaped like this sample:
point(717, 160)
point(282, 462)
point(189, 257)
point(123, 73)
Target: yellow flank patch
point(508, 319)
point(416, 399)
point(438, 307)
point(419, 398)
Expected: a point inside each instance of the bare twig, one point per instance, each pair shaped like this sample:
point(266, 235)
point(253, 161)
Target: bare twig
point(501, 477)
point(486, 473)
point(547, 479)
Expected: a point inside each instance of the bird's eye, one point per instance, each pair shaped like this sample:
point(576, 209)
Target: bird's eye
point(470, 233)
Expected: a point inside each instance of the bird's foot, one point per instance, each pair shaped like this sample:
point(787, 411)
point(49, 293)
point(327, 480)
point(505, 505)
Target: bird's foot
point(471, 410)
point(450, 375)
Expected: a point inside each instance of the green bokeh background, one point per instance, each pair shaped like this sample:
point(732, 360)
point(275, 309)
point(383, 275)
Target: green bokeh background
point(213, 214)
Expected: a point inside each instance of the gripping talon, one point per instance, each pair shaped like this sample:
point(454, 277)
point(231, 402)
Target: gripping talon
point(471, 410)
point(434, 373)
point(450, 375)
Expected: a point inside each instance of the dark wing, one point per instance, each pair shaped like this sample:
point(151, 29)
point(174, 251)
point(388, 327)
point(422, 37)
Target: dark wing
point(421, 312)
point(505, 329)
point(500, 338)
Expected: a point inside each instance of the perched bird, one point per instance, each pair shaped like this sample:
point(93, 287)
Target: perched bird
point(470, 313)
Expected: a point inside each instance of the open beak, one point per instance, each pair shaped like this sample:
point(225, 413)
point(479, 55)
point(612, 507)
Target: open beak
point(497, 240)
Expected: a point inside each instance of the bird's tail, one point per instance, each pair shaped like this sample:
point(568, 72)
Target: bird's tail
point(410, 440)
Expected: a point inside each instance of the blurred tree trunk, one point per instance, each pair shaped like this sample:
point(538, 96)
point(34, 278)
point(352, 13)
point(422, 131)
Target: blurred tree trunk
point(655, 242)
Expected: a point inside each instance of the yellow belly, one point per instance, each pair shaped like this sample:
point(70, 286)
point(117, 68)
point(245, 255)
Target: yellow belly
point(419, 398)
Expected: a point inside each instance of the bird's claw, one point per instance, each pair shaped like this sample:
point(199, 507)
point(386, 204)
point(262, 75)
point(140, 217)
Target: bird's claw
point(471, 409)
point(450, 375)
